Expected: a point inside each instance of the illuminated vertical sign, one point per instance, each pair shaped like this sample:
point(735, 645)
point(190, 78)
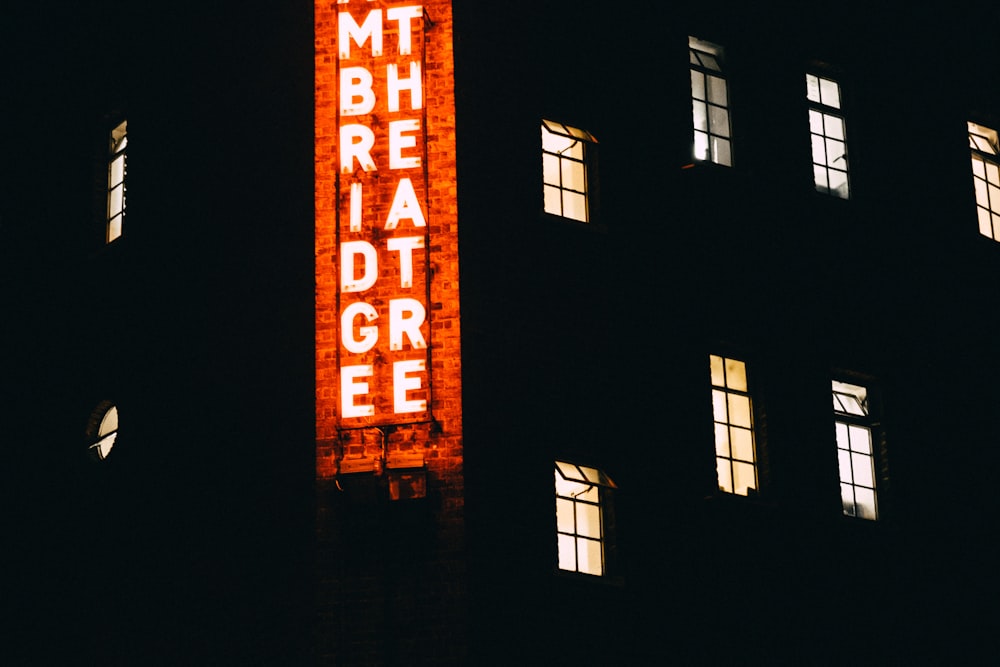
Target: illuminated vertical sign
point(386, 244)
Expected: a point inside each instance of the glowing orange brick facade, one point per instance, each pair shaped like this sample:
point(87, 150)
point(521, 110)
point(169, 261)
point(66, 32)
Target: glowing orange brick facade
point(387, 312)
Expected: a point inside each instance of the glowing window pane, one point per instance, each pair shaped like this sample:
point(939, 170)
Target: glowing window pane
point(115, 201)
point(565, 170)
point(567, 552)
point(718, 120)
point(722, 152)
point(812, 88)
point(700, 146)
point(819, 176)
point(724, 468)
point(739, 410)
point(861, 439)
point(982, 194)
point(590, 557)
point(697, 85)
point(736, 375)
point(564, 515)
point(829, 93)
point(741, 440)
point(574, 206)
point(550, 169)
point(865, 503)
point(861, 466)
point(719, 411)
point(838, 183)
point(985, 224)
point(699, 111)
point(744, 478)
point(835, 151)
point(553, 200)
point(711, 123)
point(717, 91)
point(815, 122)
point(573, 175)
point(588, 520)
point(722, 440)
point(844, 462)
point(818, 149)
point(114, 228)
point(833, 126)
point(733, 415)
point(718, 373)
point(117, 170)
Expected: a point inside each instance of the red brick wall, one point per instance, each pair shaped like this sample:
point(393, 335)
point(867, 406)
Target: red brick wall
point(391, 573)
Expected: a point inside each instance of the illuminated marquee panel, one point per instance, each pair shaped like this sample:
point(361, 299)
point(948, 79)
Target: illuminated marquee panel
point(386, 241)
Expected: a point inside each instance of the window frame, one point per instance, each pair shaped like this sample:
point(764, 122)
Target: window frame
point(986, 152)
point(103, 427)
point(819, 110)
point(554, 171)
point(601, 489)
point(114, 212)
point(728, 459)
point(706, 60)
point(870, 421)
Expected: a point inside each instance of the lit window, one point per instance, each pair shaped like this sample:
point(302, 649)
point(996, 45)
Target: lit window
point(106, 432)
point(853, 421)
point(732, 409)
point(116, 181)
point(710, 104)
point(828, 135)
point(582, 495)
point(986, 177)
point(567, 159)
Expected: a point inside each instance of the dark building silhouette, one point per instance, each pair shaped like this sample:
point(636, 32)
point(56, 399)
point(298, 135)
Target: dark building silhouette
point(225, 528)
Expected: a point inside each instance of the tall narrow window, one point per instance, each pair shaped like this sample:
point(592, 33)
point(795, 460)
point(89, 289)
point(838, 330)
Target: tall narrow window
point(710, 103)
point(116, 181)
point(986, 177)
point(568, 156)
point(732, 409)
point(828, 134)
point(582, 517)
point(854, 421)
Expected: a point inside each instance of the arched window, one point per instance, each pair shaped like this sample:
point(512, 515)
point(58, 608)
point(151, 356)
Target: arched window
point(103, 431)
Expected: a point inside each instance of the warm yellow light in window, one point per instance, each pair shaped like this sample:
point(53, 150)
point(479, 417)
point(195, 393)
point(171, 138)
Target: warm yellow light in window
point(107, 433)
point(732, 412)
point(579, 520)
point(117, 167)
